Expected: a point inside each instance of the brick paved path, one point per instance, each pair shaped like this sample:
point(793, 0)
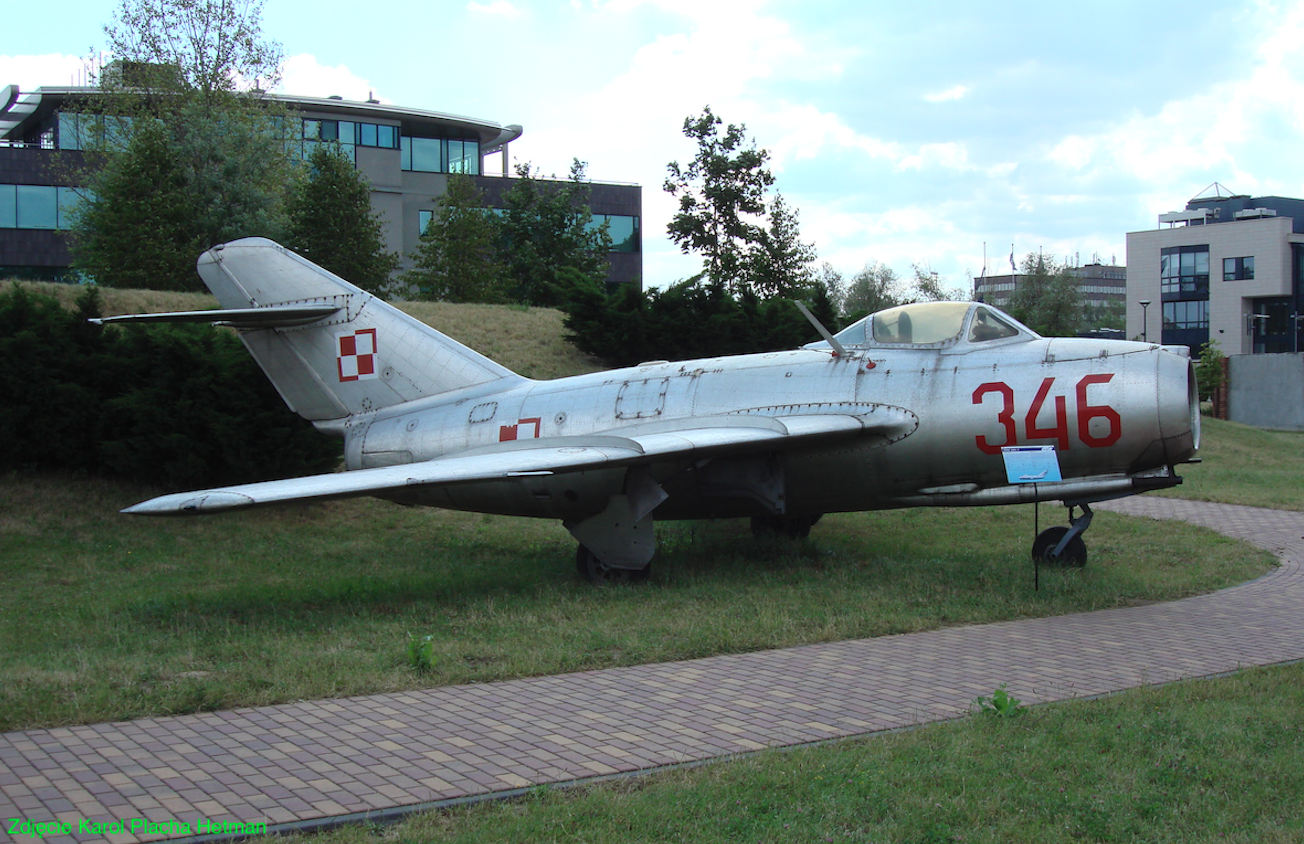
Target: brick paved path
point(325, 759)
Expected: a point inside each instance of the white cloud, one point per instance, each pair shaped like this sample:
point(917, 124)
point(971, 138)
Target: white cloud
point(1228, 131)
point(955, 92)
point(498, 8)
point(306, 76)
point(31, 72)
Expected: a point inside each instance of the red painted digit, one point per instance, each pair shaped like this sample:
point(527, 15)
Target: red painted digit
point(1005, 417)
point(1061, 429)
point(1087, 412)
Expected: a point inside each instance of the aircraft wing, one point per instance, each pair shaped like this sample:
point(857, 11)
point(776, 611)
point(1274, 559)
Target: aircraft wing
point(708, 437)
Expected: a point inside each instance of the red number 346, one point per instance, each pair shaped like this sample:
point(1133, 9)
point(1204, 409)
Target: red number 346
point(1059, 430)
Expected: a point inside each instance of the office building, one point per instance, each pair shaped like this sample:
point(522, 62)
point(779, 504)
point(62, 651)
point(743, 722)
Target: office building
point(407, 155)
point(1227, 268)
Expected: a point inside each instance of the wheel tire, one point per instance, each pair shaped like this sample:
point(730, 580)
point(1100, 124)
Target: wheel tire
point(600, 574)
point(1075, 553)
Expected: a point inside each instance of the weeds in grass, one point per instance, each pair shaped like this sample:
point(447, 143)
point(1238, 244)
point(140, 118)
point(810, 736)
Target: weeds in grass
point(1001, 704)
point(421, 652)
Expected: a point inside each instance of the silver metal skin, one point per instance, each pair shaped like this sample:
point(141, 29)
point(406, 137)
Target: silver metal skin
point(912, 411)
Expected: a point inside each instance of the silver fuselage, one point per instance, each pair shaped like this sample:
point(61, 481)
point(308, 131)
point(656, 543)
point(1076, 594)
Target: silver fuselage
point(1113, 409)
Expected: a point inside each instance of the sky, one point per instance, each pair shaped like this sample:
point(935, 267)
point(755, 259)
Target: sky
point(929, 134)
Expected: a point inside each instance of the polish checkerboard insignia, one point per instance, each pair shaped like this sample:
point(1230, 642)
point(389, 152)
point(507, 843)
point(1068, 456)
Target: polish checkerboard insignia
point(356, 355)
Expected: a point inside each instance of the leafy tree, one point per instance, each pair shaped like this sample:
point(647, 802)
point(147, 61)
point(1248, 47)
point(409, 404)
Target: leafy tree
point(1047, 298)
point(457, 259)
point(930, 287)
point(721, 195)
point(547, 228)
point(175, 93)
point(872, 289)
point(779, 264)
point(835, 287)
point(331, 222)
point(208, 46)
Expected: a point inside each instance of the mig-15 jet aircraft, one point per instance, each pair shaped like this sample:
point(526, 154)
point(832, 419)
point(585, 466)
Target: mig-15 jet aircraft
point(917, 406)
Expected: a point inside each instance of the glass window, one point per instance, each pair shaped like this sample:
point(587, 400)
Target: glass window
point(367, 134)
point(424, 218)
point(920, 323)
point(622, 230)
point(387, 137)
point(1184, 315)
point(1237, 269)
point(311, 130)
point(8, 207)
point(1184, 272)
point(68, 199)
point(464, 157)
point(988, 326)
point(38, 207)
point(330, 130)
point(426, 155)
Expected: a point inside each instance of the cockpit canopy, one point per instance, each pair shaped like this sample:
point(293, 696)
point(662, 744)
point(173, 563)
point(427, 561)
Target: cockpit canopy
point(931, 325)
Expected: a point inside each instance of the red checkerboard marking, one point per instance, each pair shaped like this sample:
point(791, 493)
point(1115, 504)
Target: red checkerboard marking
point(357, 355)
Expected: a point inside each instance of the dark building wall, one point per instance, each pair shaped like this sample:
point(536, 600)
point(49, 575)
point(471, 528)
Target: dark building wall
point(34, 253)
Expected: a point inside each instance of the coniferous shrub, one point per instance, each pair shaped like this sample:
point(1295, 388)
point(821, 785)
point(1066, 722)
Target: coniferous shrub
point(174, 406)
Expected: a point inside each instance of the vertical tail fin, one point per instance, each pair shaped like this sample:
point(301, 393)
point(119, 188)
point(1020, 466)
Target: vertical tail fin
point(365, 356)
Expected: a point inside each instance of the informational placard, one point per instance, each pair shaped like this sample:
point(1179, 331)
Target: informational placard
point(1031, 464)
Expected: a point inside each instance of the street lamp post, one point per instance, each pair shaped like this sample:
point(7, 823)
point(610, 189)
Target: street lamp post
point(1144, 303)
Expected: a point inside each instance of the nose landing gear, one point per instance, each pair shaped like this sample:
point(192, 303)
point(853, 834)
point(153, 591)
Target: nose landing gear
point(1063, 546)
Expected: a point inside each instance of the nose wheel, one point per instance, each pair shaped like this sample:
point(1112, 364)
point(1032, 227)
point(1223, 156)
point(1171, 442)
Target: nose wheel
point(1063, 546)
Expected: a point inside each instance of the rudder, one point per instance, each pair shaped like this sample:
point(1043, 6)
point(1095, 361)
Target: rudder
point(365, 356)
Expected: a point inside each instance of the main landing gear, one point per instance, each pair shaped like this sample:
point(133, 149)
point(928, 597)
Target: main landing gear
point(787, 527)
point(599, 573)
point(1063, 546)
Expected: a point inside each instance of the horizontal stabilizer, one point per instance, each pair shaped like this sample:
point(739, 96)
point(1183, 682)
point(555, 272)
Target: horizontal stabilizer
point(269, 317)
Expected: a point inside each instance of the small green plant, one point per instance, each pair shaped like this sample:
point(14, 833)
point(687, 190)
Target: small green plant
point(1001, 704)
point(421, 652)
point(1209, 370)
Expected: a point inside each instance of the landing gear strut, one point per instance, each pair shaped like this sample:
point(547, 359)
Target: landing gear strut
point(599, 573)
point(1063, 546)
point(788, 527)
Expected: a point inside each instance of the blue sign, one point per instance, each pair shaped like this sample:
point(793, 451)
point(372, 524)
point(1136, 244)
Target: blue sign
point(1031, 464)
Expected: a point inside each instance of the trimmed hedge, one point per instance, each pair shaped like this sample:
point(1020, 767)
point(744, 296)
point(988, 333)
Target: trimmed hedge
point(173, 406)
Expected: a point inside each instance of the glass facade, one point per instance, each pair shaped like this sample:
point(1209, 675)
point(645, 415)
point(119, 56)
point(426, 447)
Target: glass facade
point(1186, 315)
point(1184, 272)
point(81, 131)
point(440, 155)
point(1184, 288)
point(36, 206)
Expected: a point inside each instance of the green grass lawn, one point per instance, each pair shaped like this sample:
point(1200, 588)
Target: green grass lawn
point(1201, 761)
point(1244, 465)
point(109, 617)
